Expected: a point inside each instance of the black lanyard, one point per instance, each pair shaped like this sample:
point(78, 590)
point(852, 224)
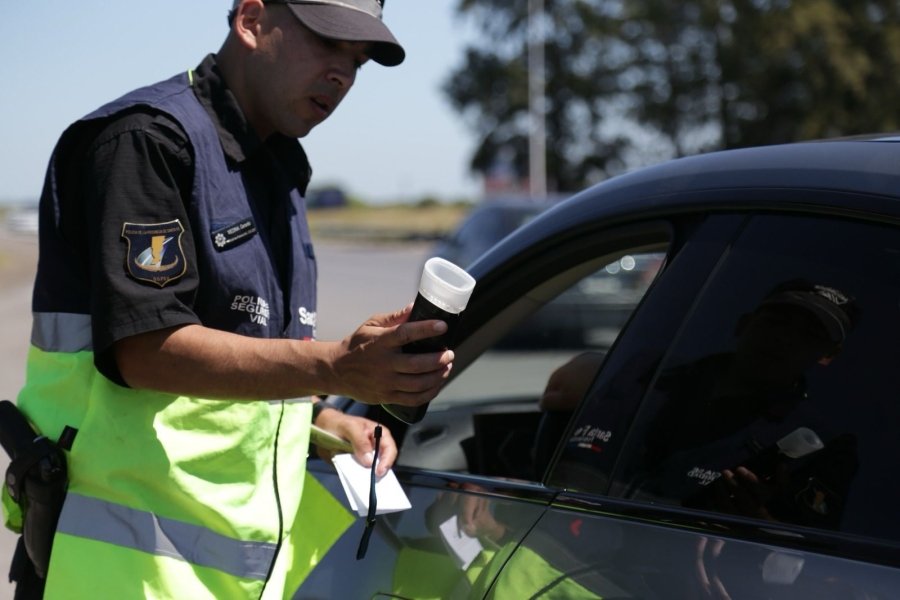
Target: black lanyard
point(373, 503)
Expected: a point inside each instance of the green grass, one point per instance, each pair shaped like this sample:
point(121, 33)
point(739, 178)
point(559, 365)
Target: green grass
point(395, 222)
point(365, 222)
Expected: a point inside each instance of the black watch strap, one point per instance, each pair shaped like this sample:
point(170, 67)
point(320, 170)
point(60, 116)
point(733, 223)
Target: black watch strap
point(319, 407)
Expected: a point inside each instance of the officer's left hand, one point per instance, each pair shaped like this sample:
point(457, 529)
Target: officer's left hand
point(360, 433)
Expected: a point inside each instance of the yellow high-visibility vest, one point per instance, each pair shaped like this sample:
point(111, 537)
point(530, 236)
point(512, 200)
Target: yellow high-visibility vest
point(175, 497)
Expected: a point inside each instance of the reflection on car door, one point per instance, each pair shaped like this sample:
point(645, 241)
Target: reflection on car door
point(450, 545)
point(582, 549)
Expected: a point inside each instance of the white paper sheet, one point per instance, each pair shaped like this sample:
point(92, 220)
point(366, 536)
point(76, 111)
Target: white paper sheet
point(463, 548)
point(355, 479)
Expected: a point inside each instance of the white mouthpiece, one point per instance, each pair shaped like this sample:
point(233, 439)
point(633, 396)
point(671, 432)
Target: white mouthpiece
point(446, 285)
point(800, 442)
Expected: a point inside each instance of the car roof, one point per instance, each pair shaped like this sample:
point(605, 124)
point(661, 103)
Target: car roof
point(514, 205)
point(867, 165)
point(855, 175)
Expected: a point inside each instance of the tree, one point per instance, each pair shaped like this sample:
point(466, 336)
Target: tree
point(634, 82)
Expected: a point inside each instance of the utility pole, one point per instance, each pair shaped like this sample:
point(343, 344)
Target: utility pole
point(537, 143)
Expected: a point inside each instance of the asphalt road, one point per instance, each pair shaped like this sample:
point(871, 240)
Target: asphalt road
point(355, 282)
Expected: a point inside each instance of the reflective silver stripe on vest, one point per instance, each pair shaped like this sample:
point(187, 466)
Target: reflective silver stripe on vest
point(62, 332)
point(140, 530)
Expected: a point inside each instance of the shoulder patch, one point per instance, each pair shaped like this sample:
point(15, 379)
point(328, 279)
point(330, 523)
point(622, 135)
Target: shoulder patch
point(154, 251)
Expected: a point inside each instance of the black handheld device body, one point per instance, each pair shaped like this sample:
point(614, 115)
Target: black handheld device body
point(444, 291)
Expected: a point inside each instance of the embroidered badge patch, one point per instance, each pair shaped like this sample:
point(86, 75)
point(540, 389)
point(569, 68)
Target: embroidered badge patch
point(231, 235)
point(154, 251)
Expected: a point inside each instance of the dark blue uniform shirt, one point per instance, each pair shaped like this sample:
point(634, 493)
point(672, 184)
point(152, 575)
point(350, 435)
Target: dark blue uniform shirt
point(137, 166)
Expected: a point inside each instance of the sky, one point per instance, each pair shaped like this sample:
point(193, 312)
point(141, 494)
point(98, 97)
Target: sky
point(394, 138)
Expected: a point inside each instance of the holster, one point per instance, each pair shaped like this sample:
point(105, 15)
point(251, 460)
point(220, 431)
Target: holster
point(37, 480)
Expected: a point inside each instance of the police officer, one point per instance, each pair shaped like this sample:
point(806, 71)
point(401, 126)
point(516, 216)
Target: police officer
point(172, 352)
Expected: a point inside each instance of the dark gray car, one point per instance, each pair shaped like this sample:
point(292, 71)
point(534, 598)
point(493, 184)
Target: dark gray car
point(737, 441)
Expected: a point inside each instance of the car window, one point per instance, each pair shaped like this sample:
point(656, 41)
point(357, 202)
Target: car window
point(604, 417)
point(778, 399)
point(487, 420)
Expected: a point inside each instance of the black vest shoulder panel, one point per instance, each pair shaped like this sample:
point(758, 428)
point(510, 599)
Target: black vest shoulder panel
point(240, 289)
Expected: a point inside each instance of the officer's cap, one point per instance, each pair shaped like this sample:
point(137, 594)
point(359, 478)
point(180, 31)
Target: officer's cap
point(348, 20)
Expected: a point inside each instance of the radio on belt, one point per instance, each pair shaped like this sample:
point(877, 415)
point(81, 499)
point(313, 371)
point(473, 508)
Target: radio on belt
point(444, 292)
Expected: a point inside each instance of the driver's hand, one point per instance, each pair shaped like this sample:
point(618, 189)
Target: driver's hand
point(360, 432)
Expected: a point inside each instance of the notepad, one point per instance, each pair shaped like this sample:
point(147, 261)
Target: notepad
point(355, 479)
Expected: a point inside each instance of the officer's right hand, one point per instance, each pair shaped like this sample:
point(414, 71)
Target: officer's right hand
point(370, 367)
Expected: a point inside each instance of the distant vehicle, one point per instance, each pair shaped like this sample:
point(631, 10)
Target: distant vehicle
point(587, 315)
point(22, 220)
point(484, 226)
point(326, 198)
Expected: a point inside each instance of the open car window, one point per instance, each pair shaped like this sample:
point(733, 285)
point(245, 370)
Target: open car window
point(489, 419)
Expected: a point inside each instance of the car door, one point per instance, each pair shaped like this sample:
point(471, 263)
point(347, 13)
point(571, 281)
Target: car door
point(679, 477)
point(472, 467)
